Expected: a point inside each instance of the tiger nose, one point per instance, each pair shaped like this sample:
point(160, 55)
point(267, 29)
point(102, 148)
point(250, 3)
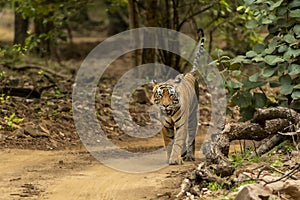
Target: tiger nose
point(166, 105)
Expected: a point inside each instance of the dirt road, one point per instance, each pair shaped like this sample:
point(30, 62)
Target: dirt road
point(75, 175)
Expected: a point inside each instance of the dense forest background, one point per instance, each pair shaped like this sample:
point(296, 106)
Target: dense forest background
point(264, 33)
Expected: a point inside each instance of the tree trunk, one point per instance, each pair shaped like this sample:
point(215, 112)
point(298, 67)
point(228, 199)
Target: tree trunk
point(44, 47)
point(133, 14)
point(117, 19)
point(21, 27)
point(151, 21)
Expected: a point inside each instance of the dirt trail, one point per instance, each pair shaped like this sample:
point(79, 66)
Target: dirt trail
point(76, 175)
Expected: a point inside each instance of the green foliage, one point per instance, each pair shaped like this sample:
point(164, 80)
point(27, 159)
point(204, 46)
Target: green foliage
point(54, 16)
point(276, 58)
point(229, 19)
point(246, 182)
point(285, 146)
point(12, 120)
point(3, 99)
point(215, 186)
point(114, 5)
point(238, 158)
point(11, 54)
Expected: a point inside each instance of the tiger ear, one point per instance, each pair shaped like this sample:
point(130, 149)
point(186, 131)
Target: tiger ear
point(154, 81)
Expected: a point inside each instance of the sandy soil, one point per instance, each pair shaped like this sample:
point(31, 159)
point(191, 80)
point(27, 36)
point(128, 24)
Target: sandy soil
point(28, 174)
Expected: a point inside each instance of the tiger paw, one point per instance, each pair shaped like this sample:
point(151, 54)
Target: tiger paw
point(176, 161)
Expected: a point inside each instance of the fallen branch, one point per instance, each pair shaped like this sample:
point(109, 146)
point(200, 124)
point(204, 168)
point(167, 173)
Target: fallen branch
point(270, 142)
point(272, 125)
point(268, 167)
point(290, 174)
point(263, 115)
point(43, 68)
point(28, 93)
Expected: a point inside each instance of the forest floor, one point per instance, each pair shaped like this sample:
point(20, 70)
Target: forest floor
point(42, 156)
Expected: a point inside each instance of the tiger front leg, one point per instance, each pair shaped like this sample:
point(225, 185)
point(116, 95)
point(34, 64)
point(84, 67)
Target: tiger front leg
point(179, 141)
point(167, 132)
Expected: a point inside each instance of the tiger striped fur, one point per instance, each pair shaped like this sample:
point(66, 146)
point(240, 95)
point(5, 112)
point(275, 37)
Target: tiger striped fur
point(178, 102)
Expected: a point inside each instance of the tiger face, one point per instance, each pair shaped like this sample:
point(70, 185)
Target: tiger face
point(167, 97)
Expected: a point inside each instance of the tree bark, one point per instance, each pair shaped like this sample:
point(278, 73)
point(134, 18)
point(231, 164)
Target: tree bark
point(148, 55)
point(267, 123)
point(44, 47)
point(134, 22)
point(117, 19)
point(21, 27)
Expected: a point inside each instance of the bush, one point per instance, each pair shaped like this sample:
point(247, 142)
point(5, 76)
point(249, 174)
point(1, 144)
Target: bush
point(275, 61)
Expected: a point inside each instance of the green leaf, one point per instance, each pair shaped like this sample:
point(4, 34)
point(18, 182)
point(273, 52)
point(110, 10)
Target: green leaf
point(258, 48)
point(288, 54)
point(273, 60)
point(295, 53)
point(294, 69)
point(282, 67)
point(281, 11)
point(285, 80)
point(295, 13)
point(286, 87)
point(251, 54)
point(12, 116)
point(296, 94)
point(247, 113)
point(297, 86)
point(275, 41)
point(275, 5)
point(289, 39)
point(251, 24)
point(282, 48)
point(242, 99)
point(296, 29)
point(240, 59)
point(291, 53)
point(266, 21)
point(274, 84)
point(270, 50)
point(248, 2)
point(260, 100)
point(258, 58)
point(248, 85)
point(294, 4)
point(268, 72)
point(254, 77)
point(234, 85)
point(240, 8)
point(18, 120)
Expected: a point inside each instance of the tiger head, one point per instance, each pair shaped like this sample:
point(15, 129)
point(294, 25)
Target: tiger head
point(166, 96)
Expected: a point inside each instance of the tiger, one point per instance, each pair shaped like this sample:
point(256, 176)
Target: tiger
point(178, 102)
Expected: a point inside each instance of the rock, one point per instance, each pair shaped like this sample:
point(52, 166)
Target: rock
point(254, 192)
point(291, 188)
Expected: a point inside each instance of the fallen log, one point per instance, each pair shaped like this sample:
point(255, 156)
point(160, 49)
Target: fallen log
point(28, 93)
point(272, 125)
point(267, 123)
